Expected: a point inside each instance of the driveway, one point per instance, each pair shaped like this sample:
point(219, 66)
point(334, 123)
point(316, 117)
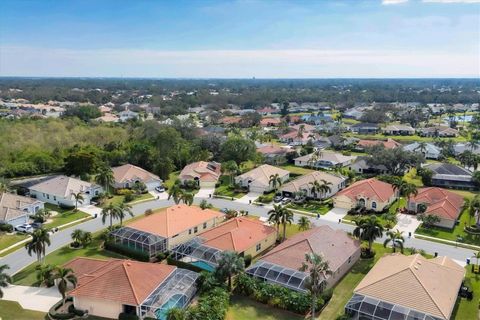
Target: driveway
point(249, 197)
point(91, 210)
point(334, 215)
point(205, 192)
point(159, 195)
point(407, 223)
point(32, 298)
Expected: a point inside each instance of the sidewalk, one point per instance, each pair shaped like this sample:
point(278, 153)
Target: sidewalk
point(32, 298)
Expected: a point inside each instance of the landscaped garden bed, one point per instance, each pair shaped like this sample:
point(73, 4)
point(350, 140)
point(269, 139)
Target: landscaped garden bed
point(313, 206)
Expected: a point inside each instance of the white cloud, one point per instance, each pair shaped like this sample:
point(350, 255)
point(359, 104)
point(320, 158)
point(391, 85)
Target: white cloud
point(287, 63)
point(451, 1)
point(391, 2)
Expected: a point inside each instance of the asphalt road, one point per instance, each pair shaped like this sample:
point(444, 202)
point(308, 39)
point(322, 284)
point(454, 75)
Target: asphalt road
point(19, 259)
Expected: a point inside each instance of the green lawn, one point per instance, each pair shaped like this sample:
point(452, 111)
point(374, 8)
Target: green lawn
point(118, 199)
point(8, 240)
point(296, 170)
point(171, 179)
point(468, 309)
point(10, 310)
point(411, 177)
point(243, 308)
point(400, 203)
point(66, 217)
point(311, 206)
point(225, 189)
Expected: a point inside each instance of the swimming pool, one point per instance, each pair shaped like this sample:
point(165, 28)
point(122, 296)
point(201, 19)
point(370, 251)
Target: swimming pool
point(203, 265)
point(176, 301)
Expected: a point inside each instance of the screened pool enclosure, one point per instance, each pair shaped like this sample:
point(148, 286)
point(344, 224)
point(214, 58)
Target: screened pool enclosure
point(286, 277)
point(196, 253)
point(139, 240)
point(365, 308)
point(175, 292)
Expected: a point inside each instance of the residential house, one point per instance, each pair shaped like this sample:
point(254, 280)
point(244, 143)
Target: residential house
point(387, 144)
point(127, 115)
point(429, 150)
point(317, 118)
point(438, 131)
point(275, 155)
point(407, 287)
point(439, 202)
point(362, 166)
point(298, 138)
point(59, 190)
point(258, 179)
point(303, 184)
point(324, 159)
point(108, 288)
point(365, 128)
point(128, 175)
point(282, 265)
point(353, 114)
point(371, 193)
point(462, 147)
point(245, 236)
point(15, 209)
point(339, 142)
point(399, 130)
point(107, 117)
point(204, 173)
point(163, 230)
point(230, 120)
point(448, 175)
point(268, 111)
point(270, 122)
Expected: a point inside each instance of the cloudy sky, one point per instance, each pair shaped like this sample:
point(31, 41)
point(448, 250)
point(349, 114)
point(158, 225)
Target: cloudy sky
point(240, 39)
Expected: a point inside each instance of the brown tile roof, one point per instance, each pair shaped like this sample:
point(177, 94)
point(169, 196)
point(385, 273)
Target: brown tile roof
point(237, 234)
point(174, 220)
point(230, 120)
point(273, 150)
point(440, 202)
point(335, 245)
point(125, 281)
point(261, 175)
point(426, 285)
point(387, 144)
point(11, 205)
point(129, 172)
point(369, 188)
point(270, 121)
point(204, 171)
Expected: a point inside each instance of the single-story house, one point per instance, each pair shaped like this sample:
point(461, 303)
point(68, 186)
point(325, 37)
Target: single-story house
point(275, 155)
point(372, 194)
point(59, 191)
point(281, 265)
point(127, 115)
point(107, 288)
point(324, 159)
point(270, 122)
point(442, 203)
point(407, 287)
point(365, 128)
point(399, 130)
point(459, 148)
point(448, 175)
point(387, 144)
point(361, 165)
point(303, 184)
point(128, 175)
point(430, 151)
point(293, 138)
point(204, 173)
point(163, 230)
point(258, 179)
point(438, 131)
point(15, 209)
point(243, 235)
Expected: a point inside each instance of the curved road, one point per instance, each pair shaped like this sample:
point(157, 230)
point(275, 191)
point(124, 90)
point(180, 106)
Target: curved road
point(19, 259)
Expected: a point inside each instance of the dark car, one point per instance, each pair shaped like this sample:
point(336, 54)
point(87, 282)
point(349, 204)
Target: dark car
point(37, 225)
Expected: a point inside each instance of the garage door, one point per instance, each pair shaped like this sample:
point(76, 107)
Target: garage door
point(342, 204)
point(152, 185)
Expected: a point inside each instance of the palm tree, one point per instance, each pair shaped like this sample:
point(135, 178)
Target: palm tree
point(304, 223)
point(476, 255)
point(229, 265)
point(77, 235)
point(105, 178)
point(41, 215)
point(231, 168)
point(474, 208)
point(86, 238)
point(422, 146)
point(187, 198)
point(176, 314)
point(175, 192)
point(111, 211)
point(4, 278)
point(274, 216)
point(65, 277)
point(123, 209)
point(275, 181)
point(473, 144)
point(318, 268)
point(78, 199)
point(320, 187)
point(368, 229)
point(45, 274)
point(38, 244)
point(285, 217)
point(396, 238)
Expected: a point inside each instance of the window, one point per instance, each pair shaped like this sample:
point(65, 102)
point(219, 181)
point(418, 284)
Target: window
point(55, 198)
point(189, 231)
point(195, 230)
point(48, 196)
point(204, 225)
point(374, 205)
point(349, 259)
point(259, 246)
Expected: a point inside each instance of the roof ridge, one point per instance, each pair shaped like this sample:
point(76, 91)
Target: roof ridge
point(127, 262)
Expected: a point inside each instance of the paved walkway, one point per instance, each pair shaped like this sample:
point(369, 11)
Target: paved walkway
point(335, 214)
point(32, 298)
point(407, 223)
point(204, 193)
point(248, 198)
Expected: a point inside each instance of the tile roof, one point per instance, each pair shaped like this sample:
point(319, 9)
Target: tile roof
point(335, 245)
point(399, 127)
point(125, 281)
point(387, 144)
point(62, 186)
point(270, 121)
point(273, 150)
point(369, 188)
point(440, 202)
point(204, 171)
point(174, 220)
point(333, 157)
point(261, 175)
point(426, 285)
point(237, 234)
point(129, 172)
point(11, 205)
point(303, 182)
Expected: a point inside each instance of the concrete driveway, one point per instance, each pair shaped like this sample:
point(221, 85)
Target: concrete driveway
point(407, 223)
point(249, 197)
point(32, 298)
point(91, 210)
point(205, 192)
point(159, 195)
point(334, 214)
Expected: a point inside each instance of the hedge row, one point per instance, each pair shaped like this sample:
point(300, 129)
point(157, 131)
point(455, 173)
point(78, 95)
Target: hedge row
point(183, 265)
point(128, 252)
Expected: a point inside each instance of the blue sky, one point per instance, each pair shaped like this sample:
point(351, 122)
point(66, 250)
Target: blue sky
point(265, 39)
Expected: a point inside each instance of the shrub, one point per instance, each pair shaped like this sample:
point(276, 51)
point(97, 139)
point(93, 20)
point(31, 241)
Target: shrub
point(148, 212)
point(212, 305)
point(248, 260)
point(127, 316)
point(266, 198)
point(327, 295)
point(77, 312)
point(162, 256)
point(123, 192)
point(129, 197)
point(5, 227)
point(123, 250)
point(66, 206)
point(52, 313)
point(183, 265)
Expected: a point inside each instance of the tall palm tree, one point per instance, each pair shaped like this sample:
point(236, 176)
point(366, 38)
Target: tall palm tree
point(187, 198)
point(229, 265)
point(304, 223)
point(4, 278)
point(78, 197)
point(286, 217)
point(175, 192)
point(275, 181)
point(38, 244)
point(474, 207)
point(105, 177)
point(317, 268)
point(76, 236)
point(396, 238)
point(368, 229)
point(65, 276)
point(422, 147)
point(45, 274)
point(321, 187)
point(111, 211)
point(231, 168)
point(274, 216)
point(123, 210)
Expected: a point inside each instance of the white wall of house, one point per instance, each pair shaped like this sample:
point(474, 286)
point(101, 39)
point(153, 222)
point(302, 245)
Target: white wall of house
point(18, 220)
point(370, 204)
point(256, 186)
point(99, 307)
point(58, 200)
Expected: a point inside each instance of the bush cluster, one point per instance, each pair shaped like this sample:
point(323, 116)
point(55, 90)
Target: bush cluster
point(123, 250)
point(5, 227)
point(212, 305)
point(266, 198)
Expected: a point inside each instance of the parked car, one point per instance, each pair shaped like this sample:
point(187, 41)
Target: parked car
point(278, 199)
point(286, 200)
point(27, 228)
point(160, 189)
point(37, 225)
point(224, 210)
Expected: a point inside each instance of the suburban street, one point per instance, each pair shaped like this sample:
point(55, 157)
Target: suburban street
point(19, 259)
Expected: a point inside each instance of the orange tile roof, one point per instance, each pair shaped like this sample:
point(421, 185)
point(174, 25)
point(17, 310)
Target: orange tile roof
point(230, 120)
point(388, 144)
point(125, 281)
point(440, 202)
point(237, 234)
point(174, 220)
point(129, 172)
point(273, 150)
point(204, 171)
point(369, 188)
point(270, 121)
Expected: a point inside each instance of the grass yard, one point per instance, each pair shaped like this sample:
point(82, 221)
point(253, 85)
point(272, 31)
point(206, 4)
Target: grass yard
point(65, 217)
point(10, 310)
point(225, 189)
point(411, 177)
point(8, 240)
point(171, 179)
point(311, 206)
point(465, 309)
point(296, 170)
point(400, 203)
point(243, 308)
point(117, 199)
